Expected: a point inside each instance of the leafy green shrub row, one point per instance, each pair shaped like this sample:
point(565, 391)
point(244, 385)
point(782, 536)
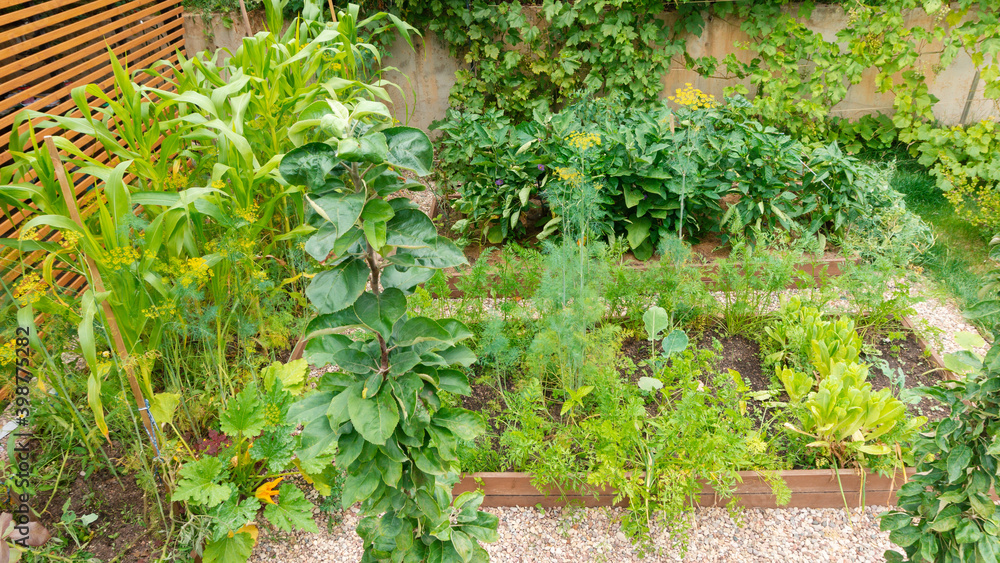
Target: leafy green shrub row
point(524, 58)
point(697, 169)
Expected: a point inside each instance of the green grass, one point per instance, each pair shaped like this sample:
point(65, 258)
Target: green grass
point(960, 256)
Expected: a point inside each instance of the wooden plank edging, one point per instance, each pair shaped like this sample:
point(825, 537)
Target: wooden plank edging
point(811, 488)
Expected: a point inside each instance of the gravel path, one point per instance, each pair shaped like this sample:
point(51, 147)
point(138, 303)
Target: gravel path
point(570, 535)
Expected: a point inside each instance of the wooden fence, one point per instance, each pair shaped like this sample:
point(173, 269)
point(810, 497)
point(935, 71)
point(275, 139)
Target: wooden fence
point(49, 48)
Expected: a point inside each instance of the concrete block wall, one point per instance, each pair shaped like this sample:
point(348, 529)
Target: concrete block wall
point(426, 74)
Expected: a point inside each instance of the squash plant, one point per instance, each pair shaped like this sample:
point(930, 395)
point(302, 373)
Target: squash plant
point(380, 415)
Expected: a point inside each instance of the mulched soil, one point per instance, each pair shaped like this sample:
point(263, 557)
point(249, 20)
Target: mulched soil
point(907, 354)
point(121, 531)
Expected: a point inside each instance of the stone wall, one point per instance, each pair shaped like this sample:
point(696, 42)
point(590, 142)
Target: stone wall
point(427, 73)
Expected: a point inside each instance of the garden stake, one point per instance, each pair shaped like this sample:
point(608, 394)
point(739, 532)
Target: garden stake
point(74, 212)
point(246, 19)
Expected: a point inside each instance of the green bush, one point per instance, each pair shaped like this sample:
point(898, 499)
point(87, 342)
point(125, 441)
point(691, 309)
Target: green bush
point(646, 171)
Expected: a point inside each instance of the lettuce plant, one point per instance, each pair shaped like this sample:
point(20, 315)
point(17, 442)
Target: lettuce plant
point(380, 415)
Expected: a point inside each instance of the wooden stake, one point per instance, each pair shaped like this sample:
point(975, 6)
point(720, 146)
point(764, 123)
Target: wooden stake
point(246, 19)
point(95, 275)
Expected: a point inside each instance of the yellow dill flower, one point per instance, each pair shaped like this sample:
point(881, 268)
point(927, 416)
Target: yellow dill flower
point(30, 234)
point(191, 272)
point(249, 214)
point(218, 184)
point(176, 181)
point(692, 97)
point(8, 353)
point(121, 257)
point(583, 141)
point(70, 239)
point(165, 311)
point(30, 289)
point(570, 176)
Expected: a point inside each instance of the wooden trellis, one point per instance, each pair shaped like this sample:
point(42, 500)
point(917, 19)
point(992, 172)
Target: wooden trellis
point(49, 48)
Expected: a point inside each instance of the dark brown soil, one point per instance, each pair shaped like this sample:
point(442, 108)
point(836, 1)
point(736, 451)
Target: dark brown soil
point(121, 531)
point(902, 350)
point(740, 354)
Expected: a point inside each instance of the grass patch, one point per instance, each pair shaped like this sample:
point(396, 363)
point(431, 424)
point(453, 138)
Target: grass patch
point(960, 257)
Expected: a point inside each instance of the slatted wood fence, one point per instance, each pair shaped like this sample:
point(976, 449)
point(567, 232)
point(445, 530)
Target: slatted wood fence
point(49, 48)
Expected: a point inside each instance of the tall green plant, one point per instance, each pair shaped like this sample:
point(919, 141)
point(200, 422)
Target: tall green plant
point(945, 511)
point(381, 412)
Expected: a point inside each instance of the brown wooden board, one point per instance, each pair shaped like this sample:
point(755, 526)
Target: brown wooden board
point(811, 488)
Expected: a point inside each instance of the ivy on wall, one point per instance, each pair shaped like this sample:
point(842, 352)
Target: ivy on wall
point(523, 56)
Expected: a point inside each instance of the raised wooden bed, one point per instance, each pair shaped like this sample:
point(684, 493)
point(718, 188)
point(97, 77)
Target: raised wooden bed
point(818, 270)
point(811, 488)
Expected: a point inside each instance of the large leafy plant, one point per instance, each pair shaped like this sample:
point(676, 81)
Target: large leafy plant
point(380, 415)
point(946, 512)
point(225, 491)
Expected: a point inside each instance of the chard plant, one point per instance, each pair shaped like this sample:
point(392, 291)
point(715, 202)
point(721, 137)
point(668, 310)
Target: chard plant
point(379, 416)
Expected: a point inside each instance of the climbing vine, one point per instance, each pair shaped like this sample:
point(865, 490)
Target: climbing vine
point(522, 58)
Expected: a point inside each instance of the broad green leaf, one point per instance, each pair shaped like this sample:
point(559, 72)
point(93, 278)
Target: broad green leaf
point(310, 407)
point(292, 375)
point(233, 514)
point(675, 342)
point(359, 485)
point(377, 210)
point(292, 510)
point(656, 320)
point(454, 381)
point(275, 447)
point(381, 312)
point(375, 233)
point(320, 349)
point(439, 253)
point(968, 532)
point(309, 165)
point(374, 148)
point(235, 549)
point(375, 418)
point(969, 340)
point(958, 461)
point(905, 536)
point(405, 279)
point(340, 210)
point(648, 384)
point(335, 289)
point(409, 148)
point(242, 414)
point(198, 483)
point(421, 329)
point(894, 520)
point(162, 407)
point(463, 423)
point(638, 231)
point(317, 444)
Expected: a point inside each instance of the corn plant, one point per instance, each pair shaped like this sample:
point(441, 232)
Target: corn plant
point(380, 416)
